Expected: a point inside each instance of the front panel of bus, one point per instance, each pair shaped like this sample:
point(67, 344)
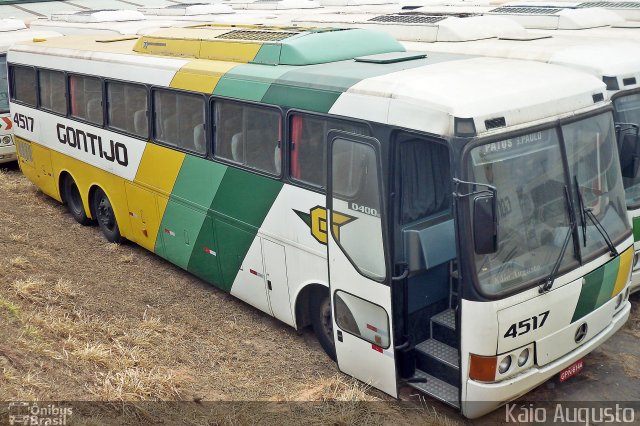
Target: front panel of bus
point(555, 286)
point(7, 148)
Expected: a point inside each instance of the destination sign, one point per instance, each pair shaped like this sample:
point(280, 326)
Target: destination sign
point(514, 147)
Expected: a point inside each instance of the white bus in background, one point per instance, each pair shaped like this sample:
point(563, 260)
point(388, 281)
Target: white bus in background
point(11, 31)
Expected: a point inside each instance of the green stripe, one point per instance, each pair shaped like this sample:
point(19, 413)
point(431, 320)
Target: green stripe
point(636, 228)
point(248, 82)
point(186, 212)
point(597, 288)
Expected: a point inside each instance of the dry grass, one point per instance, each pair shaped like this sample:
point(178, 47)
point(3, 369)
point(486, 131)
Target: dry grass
point(19, 262)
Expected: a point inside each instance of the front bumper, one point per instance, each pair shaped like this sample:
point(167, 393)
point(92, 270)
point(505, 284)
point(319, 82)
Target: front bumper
point(482, 398)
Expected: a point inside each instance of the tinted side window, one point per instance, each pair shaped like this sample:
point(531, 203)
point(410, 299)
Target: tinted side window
point(308, 146)
point(179, 120)
point(248, 135)
point(24, 84)
point(86, 98)
point(127, 108)
point(52, 91)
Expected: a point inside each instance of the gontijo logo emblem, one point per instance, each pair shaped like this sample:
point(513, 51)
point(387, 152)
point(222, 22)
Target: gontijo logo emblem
point(316, 220)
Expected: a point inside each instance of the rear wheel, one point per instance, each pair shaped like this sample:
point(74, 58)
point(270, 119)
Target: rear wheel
point(71, 196)
point(322, 322)
point(106, 217)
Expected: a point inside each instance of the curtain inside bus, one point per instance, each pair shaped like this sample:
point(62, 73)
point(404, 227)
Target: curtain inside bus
point(425, 179)
point(4, 87)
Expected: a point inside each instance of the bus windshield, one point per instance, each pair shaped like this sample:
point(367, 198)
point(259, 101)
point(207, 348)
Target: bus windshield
point(627, 110)
point(533, 208)
point(4, 87)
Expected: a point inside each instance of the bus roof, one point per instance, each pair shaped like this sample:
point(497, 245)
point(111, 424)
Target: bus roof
point(340, 72)
point(8, 38)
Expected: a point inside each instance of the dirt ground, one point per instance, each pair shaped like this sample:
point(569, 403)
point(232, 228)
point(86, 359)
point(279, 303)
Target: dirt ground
point(85, 320)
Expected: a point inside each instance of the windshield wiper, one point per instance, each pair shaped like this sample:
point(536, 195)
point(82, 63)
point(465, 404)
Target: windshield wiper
point(588, 212)
point(548, 283)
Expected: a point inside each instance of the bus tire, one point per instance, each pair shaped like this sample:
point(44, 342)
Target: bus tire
point(73, 200)
point(322, 322)
point(106, 217)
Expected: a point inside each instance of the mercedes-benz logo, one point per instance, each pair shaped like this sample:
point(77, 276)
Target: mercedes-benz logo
point(581, 332)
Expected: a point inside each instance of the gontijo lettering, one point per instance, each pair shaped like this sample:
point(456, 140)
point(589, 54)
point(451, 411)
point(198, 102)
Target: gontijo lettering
point(91, 143)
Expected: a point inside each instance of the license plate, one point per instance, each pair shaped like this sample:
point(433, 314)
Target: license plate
point(571, 370)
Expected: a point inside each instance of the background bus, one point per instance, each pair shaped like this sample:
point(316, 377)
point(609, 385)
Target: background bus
point(11, 31)
point(265, 161)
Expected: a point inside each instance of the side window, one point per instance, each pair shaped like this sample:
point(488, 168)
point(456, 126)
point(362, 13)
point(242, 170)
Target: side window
point(24, 84)
point(308, 146)
point(248, 135)
point(4, 87)
point(52, 91)
point(377, 321)
point(179, 120)
point(127, 108)
point(86, 98)
point(356, 206)
point(424, 178)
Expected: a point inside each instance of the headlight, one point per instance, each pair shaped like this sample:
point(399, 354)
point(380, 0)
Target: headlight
point(6, 140)
point(505, 364)
point(523, 358)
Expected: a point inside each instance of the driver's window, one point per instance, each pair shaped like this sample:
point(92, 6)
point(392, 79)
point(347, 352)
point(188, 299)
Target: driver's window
point(356, 212)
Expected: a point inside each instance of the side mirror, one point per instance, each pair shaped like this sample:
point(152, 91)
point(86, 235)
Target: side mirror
point(629, 157)
point(485, 224)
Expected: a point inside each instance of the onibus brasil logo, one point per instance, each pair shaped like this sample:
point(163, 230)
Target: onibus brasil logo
point(35, 414)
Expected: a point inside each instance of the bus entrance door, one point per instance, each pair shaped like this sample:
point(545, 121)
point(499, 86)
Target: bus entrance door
point(358, 275)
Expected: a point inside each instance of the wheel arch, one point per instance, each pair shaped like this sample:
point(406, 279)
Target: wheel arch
point(303, 302)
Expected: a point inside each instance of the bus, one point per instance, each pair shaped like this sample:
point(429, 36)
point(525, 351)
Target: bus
point(617, 63)
point(11, 31)
point(452, 223)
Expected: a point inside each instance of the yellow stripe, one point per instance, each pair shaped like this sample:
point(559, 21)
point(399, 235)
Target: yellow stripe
point(159, 169)
point(229, 51)
point(201, 75)
point(623, 272)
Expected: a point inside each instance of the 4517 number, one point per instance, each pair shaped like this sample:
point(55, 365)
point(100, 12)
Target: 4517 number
point(526, 325)
point(23, 121)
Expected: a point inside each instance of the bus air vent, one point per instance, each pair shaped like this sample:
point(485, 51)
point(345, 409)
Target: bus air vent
point(529, 10)
point(611, 4)
point(256, 35)
point(629, 81)
point(408, 19)
point(494, 123)
point(598, 97)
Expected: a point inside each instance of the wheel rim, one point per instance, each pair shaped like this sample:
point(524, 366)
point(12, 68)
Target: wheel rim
point(325, 317)
point(105, 213)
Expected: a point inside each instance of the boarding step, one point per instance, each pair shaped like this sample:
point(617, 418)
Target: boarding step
point(443, 327)
point(439, 359)
point(436, 388)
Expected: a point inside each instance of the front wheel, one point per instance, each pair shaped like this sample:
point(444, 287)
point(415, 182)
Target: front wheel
point(106, 217)
point(322, 322)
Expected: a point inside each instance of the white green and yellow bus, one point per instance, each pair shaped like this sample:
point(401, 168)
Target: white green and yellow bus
point(11, 31)
point(424, 213)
